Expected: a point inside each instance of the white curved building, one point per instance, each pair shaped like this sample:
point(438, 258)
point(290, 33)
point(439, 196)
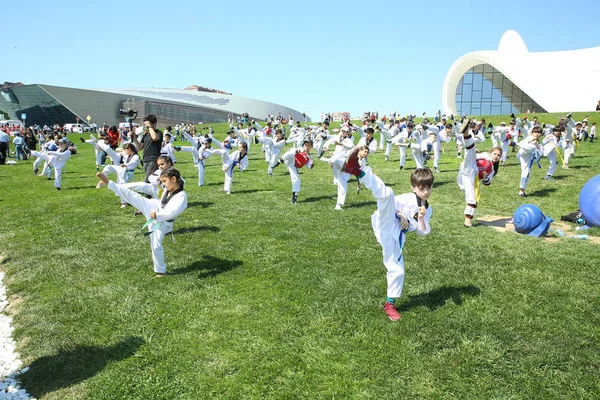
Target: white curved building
point(514, 80)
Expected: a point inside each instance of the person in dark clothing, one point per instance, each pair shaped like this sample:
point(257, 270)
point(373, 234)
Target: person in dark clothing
point(151, 144)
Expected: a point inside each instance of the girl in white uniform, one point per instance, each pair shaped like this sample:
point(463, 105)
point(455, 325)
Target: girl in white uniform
point(160, 214)
point(57, 160)
point(153, 187)
point(526, 156)
point(97, 151)
point(468, 174)
point(124, 165)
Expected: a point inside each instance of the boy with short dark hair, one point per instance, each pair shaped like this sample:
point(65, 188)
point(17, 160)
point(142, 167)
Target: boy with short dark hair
point(395, 216)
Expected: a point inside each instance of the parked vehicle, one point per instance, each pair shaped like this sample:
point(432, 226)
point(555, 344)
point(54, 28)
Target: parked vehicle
point(76, 128)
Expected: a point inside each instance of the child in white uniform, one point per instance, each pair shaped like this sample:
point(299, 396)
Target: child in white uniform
point(549, 150)
point(57, 160)
point(238, 158)
point(200, 154)
point(160, 213)
point(97, 151)
point(295, 159)
point(469, 175)
point(124, 165)
point(153, 187)
point(395, 216)
point(343, 145)
point(526, 156)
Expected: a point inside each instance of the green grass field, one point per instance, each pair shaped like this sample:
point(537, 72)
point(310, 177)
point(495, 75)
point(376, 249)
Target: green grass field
point(269, 300)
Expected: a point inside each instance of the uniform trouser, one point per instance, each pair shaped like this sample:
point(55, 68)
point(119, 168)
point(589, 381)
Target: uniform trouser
point(467, 176)
point(391, 246)
point(525, 160)
point(505, 145)
point(567, 152)
point(388, 149)
point(142, 187)
point(201, 172)
point(273, 159)
point(402, 155)
point(57, 169)
point(552, 158)
point(158, 229)
point(417, 155)
point(436, 154)
point(341, 179)
point(117, 170)
point(194, 151)
point(295, 177)
point(319, 147)
point(37, 163)
point(495, 140)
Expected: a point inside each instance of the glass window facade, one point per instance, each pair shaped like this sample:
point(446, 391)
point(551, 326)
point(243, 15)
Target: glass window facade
point(177, 112)
point(483, 90)
point(38, 106)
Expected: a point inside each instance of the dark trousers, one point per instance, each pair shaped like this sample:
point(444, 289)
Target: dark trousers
point(3, 152)
point(149, 168)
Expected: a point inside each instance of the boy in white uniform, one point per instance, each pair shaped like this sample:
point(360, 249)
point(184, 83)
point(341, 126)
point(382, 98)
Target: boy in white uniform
point(395, 216)
point(343, 145)
point(549, 148)
point(295, 159)
point(238, 158)
point(526, 156)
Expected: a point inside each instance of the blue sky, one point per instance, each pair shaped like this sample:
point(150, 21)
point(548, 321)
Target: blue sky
point(313, 56)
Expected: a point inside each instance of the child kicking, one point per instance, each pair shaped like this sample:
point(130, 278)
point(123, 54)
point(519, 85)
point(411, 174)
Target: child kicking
point(57, 160)
point(294, 159)
point(160, 213)
point(395, 216)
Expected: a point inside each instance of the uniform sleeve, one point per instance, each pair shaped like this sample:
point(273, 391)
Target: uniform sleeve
point(173, 208)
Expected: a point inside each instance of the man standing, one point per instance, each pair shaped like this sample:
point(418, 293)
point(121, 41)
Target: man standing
point(151, 144)
point(4, 145)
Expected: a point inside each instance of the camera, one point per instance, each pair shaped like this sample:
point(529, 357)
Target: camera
point(130, 112)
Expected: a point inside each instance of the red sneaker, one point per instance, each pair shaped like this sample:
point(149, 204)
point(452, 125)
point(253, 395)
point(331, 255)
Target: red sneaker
point(391, 311)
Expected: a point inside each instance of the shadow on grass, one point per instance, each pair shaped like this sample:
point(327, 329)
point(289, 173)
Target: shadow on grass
point(438, 297)
point(500, 222)
point(193, 229)
point(361, 205)
point(203, 204)
point(209, 266)
point(542, 192)
point(249, 191)
point(67, 368)
point(437, 184)
point(315, 199)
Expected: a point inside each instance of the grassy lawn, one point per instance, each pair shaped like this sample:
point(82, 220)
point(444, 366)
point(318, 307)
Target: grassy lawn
point(269, 300)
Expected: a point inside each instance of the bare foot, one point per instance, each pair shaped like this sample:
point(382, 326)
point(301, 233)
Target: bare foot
point(468, 223)
point(103, 180)
point(160, 275)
